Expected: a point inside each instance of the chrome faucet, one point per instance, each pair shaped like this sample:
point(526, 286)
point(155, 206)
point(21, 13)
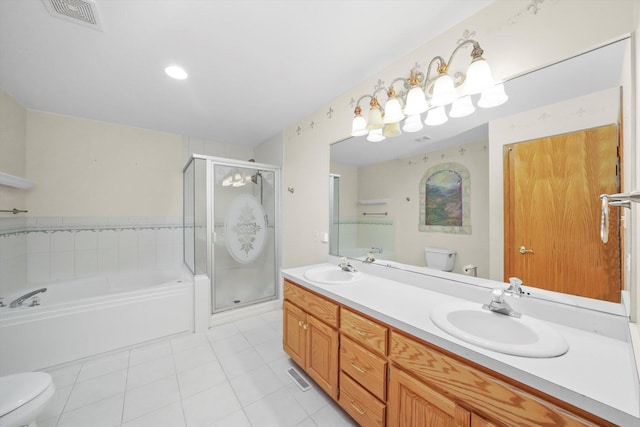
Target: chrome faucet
point(515, 287)
point(369, 259)
point(18, 301)
point(344, 265)
point(499, 305)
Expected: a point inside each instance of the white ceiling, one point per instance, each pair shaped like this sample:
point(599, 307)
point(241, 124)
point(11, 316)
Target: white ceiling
point(255, 67)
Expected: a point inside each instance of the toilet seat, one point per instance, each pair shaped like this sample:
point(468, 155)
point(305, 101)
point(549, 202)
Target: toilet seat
point(19, 389)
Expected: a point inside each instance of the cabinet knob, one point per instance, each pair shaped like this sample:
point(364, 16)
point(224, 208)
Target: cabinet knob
point(300, 323)
point(305, 326)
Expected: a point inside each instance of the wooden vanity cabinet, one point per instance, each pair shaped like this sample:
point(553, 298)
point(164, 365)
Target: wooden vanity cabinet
point(412, 403)
point(363, 368)
point(492, 399)
point(312, 343)
point(382, 376)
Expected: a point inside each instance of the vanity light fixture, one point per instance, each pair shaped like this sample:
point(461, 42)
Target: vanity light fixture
point(176, 72)
point(424, 94)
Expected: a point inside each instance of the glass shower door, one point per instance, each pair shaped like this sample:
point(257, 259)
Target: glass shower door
point(244, 241)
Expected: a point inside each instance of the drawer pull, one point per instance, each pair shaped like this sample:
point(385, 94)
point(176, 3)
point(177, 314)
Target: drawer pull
point(358, 368)
point(357, 408)
point(359, 332)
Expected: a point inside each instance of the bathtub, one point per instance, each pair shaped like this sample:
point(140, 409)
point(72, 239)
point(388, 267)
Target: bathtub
point(86, 317)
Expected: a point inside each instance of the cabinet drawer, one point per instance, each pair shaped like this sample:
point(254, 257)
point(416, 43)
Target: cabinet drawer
point(360, 404)
point(481, 391)
point(312, 304)
point(364, 331)
point(363, 366)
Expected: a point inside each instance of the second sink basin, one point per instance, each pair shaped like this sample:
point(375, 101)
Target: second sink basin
point(332, 275)
point(524, 336)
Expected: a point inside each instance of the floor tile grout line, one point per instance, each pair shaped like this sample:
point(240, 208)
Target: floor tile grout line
point(126, 383)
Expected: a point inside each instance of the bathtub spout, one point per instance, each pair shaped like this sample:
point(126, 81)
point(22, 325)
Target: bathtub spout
point(18, 302)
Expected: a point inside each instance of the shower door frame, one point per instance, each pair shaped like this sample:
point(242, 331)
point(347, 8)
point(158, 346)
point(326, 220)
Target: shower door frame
point(211, 161)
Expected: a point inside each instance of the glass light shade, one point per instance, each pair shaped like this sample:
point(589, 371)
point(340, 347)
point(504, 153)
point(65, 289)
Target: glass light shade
point(444, 91)
point(462, 107)
point(359, 126)
point(478, 77)
point(375, 136)
point(375, 119)
point(393, 111)
point(412, 123)
point(416, 102)
point(436, 116)
point(493, 97)
point(392, 129)
point(227, 181)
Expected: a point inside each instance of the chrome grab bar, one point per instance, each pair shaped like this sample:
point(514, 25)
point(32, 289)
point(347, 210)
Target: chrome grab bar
point(620, 199)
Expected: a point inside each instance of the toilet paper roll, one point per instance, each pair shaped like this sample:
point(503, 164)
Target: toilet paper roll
point(469, 269)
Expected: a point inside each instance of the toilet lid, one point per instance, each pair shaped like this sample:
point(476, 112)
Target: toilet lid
point(18, 389)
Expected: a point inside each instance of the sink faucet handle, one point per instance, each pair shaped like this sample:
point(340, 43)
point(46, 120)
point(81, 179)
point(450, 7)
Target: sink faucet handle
point(497, 295)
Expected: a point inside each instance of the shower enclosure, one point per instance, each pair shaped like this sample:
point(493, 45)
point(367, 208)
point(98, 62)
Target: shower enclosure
point(230, 219)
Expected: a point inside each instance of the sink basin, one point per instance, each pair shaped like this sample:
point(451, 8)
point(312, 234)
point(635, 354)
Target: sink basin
point(524, 336)
point(332, 275)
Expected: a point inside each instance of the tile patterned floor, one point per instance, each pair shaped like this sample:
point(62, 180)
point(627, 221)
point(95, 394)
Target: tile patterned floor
point(233, 375)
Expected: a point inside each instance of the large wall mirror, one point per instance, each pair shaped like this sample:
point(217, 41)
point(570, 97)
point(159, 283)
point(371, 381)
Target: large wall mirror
point(376, 210)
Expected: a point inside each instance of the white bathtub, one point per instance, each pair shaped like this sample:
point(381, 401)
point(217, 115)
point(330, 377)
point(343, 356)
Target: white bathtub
point(86, 317)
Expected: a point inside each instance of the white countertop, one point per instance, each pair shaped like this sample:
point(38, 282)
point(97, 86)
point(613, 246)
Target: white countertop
point(597, 374)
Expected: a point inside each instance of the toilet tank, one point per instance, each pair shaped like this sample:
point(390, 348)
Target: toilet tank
point(440, 258)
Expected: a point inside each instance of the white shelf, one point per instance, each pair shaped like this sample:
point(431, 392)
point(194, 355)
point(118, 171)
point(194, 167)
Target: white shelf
point(374, 201)
point(15, 181)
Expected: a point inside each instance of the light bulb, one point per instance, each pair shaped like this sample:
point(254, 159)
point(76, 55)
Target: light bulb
point(412, 123)
point(462, 107)
point(393, 111)
point(374, 119)
point(416, 102)
point(478, 77)
point(375, 136)
point(444, 91)
point(436, 116)
point(359, 126)
point(493, 96)
point(392, 129)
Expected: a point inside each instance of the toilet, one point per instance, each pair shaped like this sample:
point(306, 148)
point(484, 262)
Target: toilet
point(440, 259)
point(23, 397)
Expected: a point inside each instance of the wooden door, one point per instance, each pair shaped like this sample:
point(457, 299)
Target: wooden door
point(322, 355)
point(552, 212)
point(413, 404)
point(294, 334)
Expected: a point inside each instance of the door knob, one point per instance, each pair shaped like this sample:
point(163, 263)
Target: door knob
point(524, 250)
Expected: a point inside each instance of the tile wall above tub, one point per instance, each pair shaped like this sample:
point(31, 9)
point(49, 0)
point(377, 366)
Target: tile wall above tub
point(44, 249)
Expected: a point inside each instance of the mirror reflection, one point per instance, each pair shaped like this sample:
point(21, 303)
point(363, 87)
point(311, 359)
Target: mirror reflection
point(404, 199)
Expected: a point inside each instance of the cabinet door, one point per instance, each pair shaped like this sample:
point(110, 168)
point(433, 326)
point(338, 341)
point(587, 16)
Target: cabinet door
point(413, 404)
point(294, 333)
point(478, 421)
point(322, 355)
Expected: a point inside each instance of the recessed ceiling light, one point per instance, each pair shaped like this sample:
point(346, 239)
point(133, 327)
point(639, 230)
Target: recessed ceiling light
point(176, 72)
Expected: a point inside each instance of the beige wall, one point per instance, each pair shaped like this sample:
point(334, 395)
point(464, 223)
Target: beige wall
point(12, 156)
point(399, 180)
point(89, 168)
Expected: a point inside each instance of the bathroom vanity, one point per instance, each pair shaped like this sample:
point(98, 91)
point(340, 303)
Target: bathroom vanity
point(370, 343)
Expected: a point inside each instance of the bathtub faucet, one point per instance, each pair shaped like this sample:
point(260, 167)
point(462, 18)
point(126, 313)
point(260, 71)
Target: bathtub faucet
point(18, 302)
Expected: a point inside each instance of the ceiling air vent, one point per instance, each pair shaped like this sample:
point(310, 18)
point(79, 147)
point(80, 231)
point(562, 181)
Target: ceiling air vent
point(83, 12)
